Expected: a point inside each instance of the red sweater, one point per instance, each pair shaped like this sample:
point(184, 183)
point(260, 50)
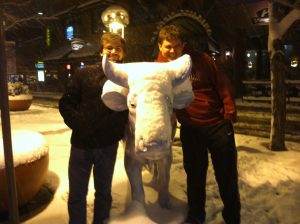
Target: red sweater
point(213, 101)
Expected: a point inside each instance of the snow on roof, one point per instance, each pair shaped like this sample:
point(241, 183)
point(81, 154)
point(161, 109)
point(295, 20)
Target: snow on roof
point(27, 146)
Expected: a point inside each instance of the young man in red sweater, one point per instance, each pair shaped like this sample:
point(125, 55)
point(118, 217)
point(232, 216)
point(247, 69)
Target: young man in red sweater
point(206, 126)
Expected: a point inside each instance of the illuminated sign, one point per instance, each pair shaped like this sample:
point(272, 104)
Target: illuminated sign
point(69, 32)
point(41, 76)
point(48, 37)
point(77, 44)
point(39, 65)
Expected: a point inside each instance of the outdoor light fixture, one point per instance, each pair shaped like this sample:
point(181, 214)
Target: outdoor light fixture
point(294, 63)
point(116, 19)
point(250, 65)
point(77, 44)
point(228, 53)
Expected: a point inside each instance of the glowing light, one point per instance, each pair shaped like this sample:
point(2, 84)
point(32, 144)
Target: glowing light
point(116, 27)
point(48, 37)
point(116, 19)
point(69, 32)
point(41, 75)
point(40, 65)
point(250, 64)
point(265, 20)
point(77, 44)
point(294, 63)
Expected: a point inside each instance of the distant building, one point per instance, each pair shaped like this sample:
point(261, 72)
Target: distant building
point(235, 34)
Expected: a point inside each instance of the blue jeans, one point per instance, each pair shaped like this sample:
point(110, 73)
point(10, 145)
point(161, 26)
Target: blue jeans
point(219, 141)
point(81, 162)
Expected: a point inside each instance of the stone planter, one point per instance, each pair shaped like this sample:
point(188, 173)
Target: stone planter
point(20, 102)
point(31, 160)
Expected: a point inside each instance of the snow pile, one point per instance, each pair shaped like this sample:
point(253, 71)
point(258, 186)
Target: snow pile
point(28, 146)
point(269, 181)
point(21, 97)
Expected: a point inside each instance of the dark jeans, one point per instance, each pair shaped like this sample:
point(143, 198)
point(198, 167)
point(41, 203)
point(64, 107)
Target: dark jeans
point(81, 162)
point(219, 141)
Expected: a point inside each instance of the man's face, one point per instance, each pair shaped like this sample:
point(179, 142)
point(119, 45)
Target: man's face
point(114, 50)
point(171, 49)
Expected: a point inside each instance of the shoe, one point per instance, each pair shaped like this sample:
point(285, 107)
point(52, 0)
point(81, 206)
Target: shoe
point(192, 220)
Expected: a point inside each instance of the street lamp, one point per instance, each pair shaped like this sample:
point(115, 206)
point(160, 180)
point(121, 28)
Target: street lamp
point(115, 18)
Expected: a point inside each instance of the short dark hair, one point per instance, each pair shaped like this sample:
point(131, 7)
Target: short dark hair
point(107, 37)
point(170, 32)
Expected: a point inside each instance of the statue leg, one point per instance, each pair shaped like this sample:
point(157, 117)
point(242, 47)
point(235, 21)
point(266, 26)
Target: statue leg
point(164, 167)
point(133, 169)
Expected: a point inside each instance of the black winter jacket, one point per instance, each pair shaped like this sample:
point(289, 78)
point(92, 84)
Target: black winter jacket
point(93, 124)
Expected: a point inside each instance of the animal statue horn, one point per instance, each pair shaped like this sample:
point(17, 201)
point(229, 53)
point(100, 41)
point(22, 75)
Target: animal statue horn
point(118, 73)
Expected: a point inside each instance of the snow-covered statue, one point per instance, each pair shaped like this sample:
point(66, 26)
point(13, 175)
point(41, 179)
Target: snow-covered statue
point(150, 90)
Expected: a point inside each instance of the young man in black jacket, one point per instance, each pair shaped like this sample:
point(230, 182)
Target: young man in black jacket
point(96, 131)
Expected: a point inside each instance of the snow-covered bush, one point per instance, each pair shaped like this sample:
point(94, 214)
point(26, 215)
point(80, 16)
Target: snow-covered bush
point(17, 88)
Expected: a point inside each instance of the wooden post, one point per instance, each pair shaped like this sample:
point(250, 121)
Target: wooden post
point(6, 129)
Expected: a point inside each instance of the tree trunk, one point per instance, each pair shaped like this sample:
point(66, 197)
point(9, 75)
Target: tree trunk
point(278, 90)
point(278, 101)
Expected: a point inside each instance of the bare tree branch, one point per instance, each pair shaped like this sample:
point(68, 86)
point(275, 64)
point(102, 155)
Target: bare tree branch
point(278, 29)
point(285, 3)
point(288, 20)
point(297, 4)
point(9, 18)
point(19, 22)
point(21, 14)
point(17, 4)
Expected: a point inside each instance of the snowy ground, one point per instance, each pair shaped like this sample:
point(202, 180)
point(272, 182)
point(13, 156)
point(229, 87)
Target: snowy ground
point(269, 181)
